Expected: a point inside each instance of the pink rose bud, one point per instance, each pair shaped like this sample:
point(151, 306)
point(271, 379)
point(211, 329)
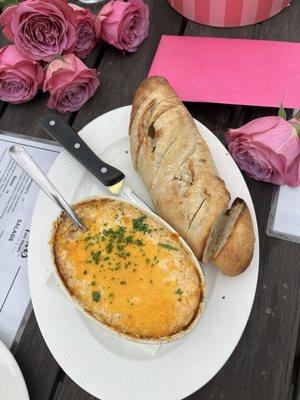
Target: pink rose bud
point(70, 83)
point(268, 149)
point(125, 25)
point(85, 31)
point(41, 29)
point(19, 77)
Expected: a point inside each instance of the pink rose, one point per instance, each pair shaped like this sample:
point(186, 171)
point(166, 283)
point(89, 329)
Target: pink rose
point(85, 31)
point(125, 25)
point(19, 77)
point(268, 149)
point(70, 83)
point(41, 29)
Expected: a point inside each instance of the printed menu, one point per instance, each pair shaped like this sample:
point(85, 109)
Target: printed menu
point(18, 194)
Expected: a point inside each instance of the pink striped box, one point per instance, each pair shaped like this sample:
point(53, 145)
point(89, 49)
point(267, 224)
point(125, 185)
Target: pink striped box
point(228, 13)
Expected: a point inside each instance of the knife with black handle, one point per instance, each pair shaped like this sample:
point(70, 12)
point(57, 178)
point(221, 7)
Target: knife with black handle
point(60, 130)
point(109, 176)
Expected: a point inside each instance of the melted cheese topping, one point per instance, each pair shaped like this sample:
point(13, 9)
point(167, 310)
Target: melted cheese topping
point(127, 269)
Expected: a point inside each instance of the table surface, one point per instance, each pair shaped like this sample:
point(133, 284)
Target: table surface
point(265, 364)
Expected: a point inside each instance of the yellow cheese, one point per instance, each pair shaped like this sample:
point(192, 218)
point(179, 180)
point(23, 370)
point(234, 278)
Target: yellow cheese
point(127, 269)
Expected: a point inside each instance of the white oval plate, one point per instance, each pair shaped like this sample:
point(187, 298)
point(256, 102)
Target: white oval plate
point(12, 384)
point(103, 364)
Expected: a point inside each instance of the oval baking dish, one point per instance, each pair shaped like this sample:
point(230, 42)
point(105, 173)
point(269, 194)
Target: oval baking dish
point(129, 271)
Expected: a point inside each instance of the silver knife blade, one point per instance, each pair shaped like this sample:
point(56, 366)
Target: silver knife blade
point(123, 191)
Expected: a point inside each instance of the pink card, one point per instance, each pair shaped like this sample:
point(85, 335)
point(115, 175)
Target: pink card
point(231, 71)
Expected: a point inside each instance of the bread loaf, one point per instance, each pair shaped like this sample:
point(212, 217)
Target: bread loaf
point(176, 164)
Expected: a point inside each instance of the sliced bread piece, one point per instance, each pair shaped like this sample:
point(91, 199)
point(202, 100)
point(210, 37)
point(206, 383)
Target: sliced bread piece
point(231, 241)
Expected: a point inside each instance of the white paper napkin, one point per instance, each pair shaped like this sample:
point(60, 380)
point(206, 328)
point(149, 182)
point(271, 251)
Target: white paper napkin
point(284, 220)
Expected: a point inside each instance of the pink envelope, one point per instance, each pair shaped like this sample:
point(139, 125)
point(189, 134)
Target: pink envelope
point(230, 71)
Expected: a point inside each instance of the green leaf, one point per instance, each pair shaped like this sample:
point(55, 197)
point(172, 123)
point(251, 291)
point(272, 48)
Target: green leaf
point(281, 112)
point(7, 3)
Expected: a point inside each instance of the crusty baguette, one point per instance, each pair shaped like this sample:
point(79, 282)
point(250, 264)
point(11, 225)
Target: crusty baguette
point(231, 241)
point(176, 164)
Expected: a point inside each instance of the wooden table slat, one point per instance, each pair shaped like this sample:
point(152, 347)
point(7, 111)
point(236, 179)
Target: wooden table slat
point(37, 364)
point(69, 390)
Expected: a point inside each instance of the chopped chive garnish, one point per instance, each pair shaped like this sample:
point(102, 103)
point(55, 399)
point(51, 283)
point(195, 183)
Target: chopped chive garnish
point(129, 239)
point(96, 296)
point(96, 256)
point(168, 246)
point(109, 247)
point(139, 224)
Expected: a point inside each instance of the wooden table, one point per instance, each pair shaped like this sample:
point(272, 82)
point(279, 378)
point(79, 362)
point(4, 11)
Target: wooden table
point(265, 364)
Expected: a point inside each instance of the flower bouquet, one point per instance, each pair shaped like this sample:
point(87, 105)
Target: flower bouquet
point(268, 149)
point(50, 37)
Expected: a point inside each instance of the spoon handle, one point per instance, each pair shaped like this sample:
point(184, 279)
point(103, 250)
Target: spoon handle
point(20, 155)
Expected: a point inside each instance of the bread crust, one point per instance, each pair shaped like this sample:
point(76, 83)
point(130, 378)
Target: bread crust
point(236, 254)
point(175, 163)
